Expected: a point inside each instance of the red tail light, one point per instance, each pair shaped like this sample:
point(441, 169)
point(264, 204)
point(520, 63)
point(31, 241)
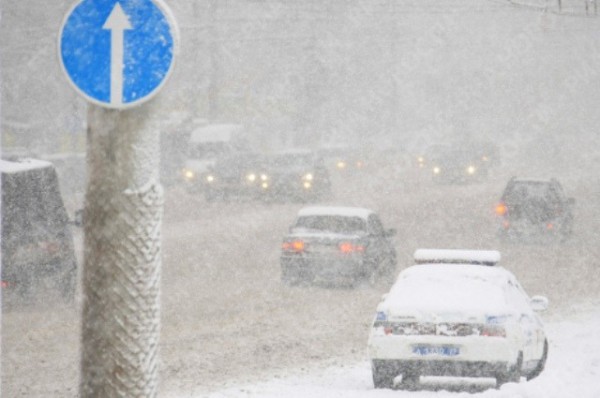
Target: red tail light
point(4, 284)
point(347, 247)
point(293, 246)
point(501, 209)
point(493, 331)
point(550, 226)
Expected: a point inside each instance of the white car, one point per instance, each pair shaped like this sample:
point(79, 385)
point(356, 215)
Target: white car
point(457, 313)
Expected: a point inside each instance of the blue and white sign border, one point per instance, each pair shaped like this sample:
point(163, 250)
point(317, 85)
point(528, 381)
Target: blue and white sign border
point(174, 30)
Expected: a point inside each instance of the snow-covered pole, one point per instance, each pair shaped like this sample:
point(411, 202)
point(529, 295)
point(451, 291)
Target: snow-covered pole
point(121, 278)
point(118, 55)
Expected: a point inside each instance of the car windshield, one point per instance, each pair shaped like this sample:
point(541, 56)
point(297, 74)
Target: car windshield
point(292, 161)
point(522, 191)
point(205, 150)
point(237, 164)
point(336, 224)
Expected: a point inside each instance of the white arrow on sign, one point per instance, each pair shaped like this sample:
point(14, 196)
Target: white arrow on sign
point(117, 22)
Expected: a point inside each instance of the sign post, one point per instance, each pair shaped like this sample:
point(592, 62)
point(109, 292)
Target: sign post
point(117, 54)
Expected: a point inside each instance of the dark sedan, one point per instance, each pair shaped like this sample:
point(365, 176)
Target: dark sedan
point(297, 175)
point(337, 245)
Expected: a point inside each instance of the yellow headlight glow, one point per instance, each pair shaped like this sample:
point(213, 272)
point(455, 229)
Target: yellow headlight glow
point(188, 174)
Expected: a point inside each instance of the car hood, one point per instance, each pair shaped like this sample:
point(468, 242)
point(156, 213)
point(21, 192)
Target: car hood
point(199, 166)
point(444, 301)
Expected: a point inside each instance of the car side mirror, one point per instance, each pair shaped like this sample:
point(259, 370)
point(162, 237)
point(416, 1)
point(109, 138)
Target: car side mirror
point(539, 303)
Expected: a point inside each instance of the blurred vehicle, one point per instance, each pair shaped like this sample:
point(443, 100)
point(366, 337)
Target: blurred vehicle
point(458, 165)
point(242, 175)
point(487, 152)
point(533, 208)
point(342, 159)
point(456, 313)
point(206, 144)
point(424, 159)
point(337, 245)
point(297, 175)
point(37, 244)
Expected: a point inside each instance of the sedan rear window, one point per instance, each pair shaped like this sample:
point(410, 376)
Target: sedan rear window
point(336, 224)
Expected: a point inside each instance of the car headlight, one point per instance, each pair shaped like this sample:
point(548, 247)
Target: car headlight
point(436, 170)
point(210, 178)
point(264, 177)
point(188, 174)
point(307, 185)
point(308, 177)
point(265, 185)
point(341, 164)
point(471, 170)
point(251, 177)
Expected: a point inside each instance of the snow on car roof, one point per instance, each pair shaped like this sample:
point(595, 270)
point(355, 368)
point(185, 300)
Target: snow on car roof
point(450, 288)
point(7, 166)
point(335, 211)
point(487, 257)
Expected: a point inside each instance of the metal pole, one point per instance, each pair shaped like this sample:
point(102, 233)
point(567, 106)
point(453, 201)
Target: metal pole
point(122, 255)
point(214, 53)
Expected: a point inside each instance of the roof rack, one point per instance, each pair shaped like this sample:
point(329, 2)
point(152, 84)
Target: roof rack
point(446, 256)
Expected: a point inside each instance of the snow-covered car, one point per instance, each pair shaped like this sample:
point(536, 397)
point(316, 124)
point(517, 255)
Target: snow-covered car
point(337, 244)
point(37, 243)
point(533, 208)
point(456, 313)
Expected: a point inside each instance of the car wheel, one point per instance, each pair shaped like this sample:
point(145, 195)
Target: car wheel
point(541, 364)
point(209, 196)
point(410, 381)
point(372, 277)
point(513, 375)
point(383, 377)
point(287, 278)
point(567, 230)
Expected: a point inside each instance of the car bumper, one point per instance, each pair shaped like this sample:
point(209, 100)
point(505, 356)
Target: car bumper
point(519, 229)
point(325, 268)
point(476, 355)
point(443, 368)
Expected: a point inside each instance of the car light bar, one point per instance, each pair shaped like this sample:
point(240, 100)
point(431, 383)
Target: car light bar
point(483, 257)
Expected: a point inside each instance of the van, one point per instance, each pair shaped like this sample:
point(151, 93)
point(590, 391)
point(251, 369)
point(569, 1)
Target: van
point(38, 254)
point(207, 144)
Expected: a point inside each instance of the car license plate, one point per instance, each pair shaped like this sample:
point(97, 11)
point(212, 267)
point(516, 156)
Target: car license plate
point(446, 351)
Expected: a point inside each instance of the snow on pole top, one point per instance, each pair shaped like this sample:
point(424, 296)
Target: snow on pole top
point(484, 257)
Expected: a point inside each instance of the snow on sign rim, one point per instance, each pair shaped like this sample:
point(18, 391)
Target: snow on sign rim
point(118, 53)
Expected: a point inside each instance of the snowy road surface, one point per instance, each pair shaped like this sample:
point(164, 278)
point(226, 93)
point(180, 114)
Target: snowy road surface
point(573, 370)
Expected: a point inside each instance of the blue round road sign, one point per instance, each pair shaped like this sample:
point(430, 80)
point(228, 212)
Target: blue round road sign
point(118, 53)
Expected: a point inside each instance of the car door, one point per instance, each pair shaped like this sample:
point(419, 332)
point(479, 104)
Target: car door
point(528, 320)
point(379, 244)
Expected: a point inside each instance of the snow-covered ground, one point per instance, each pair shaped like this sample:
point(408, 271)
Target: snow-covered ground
point(573, 370)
